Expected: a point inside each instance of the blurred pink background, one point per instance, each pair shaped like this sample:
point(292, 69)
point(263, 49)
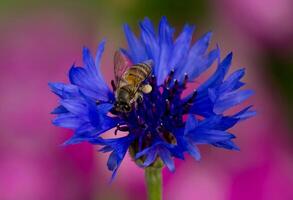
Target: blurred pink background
point(38, 43)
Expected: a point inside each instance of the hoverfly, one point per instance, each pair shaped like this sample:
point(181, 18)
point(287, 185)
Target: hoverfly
point(130, 82)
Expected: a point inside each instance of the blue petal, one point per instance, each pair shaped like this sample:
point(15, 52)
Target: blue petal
point(86, 129)
point(232, 82)
point(206, 136)
point(166, 43)
point(193, 151)
point(151, 44)
point(177, 152)
point(120, 147)
point(64, 90)
point(136, 49)
point(191, 124)
point(226, 123)
point(229, 121)
point(202, 44)
point(245, 113)
point(231, 99)
point(93, 66)
point(150, 157)
point(203, 105)
point(219, 75)
point(147, 23)
point(197, 62)
point(181, 47)
point(202, 64)
point(89, 78)
point(144, 151)
point(210, 122)
point(187, 145)
point(227, 145)
point(75, 106)
point(98, 116)
point(75, 139)
point(220, 122)
point(78, 138)
point(213, 94)
point(106, 149)
point(67, 120)
point(161, 148)
point(93, 120)
point(59, 110)
point(88, 60)
point(113, 161)
point(166, 158)
point(79, 76)
point(87, 132)
point(99, 53)
point(89, 84)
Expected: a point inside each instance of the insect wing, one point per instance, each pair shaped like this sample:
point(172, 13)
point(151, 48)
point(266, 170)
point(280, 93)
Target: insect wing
point(121, 64)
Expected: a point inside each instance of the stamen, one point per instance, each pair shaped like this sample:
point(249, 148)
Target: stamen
point(176, 85)
point(140, 122)
point(193, 96)
point(166, 135)
point(153, 80)
point(175, 81)
point(167, 93)
point(189, 102)
point(154, 108)
point(185, 80)
point(147, 139)
point(149, 135)
point(169, 78)
point(167, 107)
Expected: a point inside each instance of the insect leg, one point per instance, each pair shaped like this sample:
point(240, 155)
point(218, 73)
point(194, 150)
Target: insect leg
point(138, 97)
point(123, 128)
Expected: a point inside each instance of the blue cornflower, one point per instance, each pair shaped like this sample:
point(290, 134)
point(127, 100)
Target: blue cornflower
point(166, 123)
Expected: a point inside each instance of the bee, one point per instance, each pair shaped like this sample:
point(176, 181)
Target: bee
point(130, 82)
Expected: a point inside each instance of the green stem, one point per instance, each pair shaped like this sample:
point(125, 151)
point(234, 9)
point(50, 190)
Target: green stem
point(153, 177)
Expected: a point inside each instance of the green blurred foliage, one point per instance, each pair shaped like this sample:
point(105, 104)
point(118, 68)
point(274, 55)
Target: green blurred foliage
point(119, 11)
point(281, 70)
point(176, 11)
point(107, 16)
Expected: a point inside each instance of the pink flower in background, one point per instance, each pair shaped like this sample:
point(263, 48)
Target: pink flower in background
point(267, 20)
point(33, 165)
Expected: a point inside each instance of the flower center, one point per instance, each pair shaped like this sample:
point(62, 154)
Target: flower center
point(159, 112)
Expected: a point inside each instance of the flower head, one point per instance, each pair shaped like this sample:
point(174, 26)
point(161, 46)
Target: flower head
point(165, 123)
